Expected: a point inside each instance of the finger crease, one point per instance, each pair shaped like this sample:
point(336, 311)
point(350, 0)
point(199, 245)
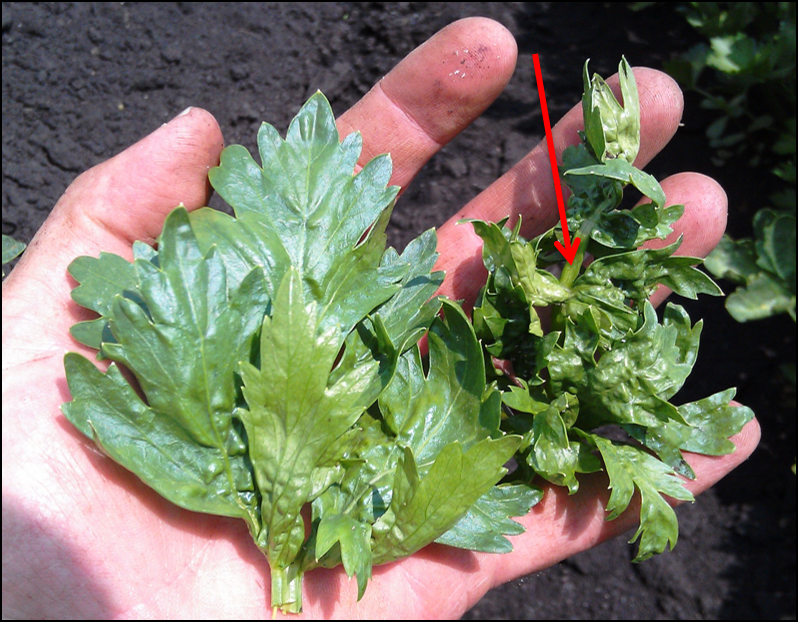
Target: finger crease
point(408, 115)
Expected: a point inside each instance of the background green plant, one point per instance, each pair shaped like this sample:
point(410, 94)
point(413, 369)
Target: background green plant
point(745, 73)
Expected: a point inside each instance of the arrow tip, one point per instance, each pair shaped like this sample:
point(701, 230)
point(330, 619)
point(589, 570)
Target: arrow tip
point(569, 252)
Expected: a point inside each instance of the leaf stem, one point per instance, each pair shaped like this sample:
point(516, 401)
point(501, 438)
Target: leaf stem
point(287, 588)
point(570, 271)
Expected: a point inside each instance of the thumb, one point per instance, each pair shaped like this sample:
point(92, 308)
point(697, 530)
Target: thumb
point(128, 197)
point(106, 208)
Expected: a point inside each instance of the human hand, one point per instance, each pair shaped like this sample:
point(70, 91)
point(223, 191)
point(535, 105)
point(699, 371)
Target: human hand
point(83, 537)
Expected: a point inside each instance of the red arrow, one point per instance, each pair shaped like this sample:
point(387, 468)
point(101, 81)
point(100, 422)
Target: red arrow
point(567, 250)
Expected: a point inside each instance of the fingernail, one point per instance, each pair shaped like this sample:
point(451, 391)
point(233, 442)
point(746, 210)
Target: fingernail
point(182, 114)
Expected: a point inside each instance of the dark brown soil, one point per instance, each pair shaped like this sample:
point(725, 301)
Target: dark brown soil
point(82, 81)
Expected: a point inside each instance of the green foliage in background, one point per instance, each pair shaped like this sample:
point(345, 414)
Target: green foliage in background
point(745, 71)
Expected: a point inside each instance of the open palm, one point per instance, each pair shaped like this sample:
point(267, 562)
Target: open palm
point(83, 537)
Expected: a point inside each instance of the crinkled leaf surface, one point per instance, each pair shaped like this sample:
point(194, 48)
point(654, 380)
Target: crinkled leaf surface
point(621, 170)
point(609, 364)
point(553, 454)
point(709, 423)
point(638, 273)
point(596, 191)
point(631, 382)
point(612, 130)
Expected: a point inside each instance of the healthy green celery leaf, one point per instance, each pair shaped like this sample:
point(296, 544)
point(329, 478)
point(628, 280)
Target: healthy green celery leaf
point(409, 313)
point(764, 267)
point(293, 415)
point(733, 260)
point(365, 490)
point(775, 244)
point(306, 210)
point(158, 449)
point(631, 468)
point(356, 501)
point(763, 296)
point(490, 519)
point(405, 317)
point(11, 248)
point(302, 268)
point(522, 397)
point(612, 130)
point(407, 387)
point(424, 507)
point(353, 537)
point(433, 425)
point(444, 421)
point(183, 347)
point(100, 280)
point(452, 404)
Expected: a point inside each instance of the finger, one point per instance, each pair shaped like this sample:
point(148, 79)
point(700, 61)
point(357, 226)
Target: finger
point(527, 190)
point(128, 197)
point(703, 222)
point(433, 94)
